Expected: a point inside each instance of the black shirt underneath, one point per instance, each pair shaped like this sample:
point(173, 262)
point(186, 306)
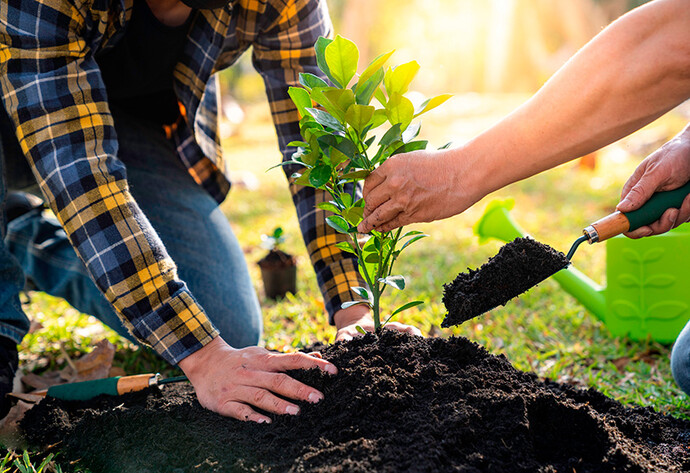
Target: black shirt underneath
point(138, 70)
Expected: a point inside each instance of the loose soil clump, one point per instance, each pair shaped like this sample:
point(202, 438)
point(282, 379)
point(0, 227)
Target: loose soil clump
point(399, 404)
point(518, 266)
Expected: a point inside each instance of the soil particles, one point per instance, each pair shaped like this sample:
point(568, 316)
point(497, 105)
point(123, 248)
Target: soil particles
point(518, 266)
point(400, 403)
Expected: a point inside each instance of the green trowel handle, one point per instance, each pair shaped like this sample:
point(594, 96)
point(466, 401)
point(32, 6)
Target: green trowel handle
point(618, 222)
point(655, 207)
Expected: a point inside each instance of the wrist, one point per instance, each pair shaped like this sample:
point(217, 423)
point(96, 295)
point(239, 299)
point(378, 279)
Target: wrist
point(194, 363)
point(351, 315)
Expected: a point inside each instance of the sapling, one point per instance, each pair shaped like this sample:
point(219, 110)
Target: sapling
point(339, 151)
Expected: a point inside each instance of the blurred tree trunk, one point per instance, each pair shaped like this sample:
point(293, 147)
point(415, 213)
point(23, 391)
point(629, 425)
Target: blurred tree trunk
point(358, 20)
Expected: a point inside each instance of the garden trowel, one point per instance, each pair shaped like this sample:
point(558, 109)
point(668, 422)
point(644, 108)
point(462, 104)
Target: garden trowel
point(524, 262)
point(115, 386)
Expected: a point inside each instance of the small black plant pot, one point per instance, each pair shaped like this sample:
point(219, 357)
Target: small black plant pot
point(279, 274)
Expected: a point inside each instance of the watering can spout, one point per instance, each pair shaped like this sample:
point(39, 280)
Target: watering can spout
point(496, 223)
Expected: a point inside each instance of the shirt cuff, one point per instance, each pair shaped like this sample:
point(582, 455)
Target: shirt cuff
point(176, 329)
point(336, 280)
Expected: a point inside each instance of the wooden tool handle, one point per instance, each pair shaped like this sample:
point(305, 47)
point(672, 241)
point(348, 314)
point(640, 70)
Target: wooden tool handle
point(611, 225)
point(128, 384)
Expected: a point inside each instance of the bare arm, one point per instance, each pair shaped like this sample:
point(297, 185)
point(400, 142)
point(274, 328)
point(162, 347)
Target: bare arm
point(634, 71)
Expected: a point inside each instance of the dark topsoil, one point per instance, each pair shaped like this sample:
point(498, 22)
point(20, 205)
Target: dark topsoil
point(399, 404)
point(518, 266)
point(276, 259)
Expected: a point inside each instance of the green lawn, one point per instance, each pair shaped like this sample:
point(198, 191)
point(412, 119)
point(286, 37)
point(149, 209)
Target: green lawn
point(545, 330)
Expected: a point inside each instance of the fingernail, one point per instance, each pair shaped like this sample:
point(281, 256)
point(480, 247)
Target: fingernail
point(292, 410)
point(264, 421)
point(314, 398)
point(331, 369)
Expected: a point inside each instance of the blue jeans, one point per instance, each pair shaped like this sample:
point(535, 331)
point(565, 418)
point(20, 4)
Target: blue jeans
point(680, 359)
point(195, 232)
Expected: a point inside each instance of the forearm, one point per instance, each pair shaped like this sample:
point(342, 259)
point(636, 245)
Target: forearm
point(630, 74)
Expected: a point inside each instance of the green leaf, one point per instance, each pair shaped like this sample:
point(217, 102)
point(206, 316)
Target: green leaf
point(310, 81)
point(391, 136)
point(397, 282)
point(337, 157)
point(380, 118)
point(342, 56)
point(400, 110)
point(359, 116)
point(340, 99)
point(372, 258)
point(338, 223)
point(299, 144)
point(373, 68)
point(431, 104)
point(412, 233)
point(364, 93)
point(347, 147)
point(360, 329)
point(320, 48)
point(346, 246)
point(320, 175)
point(326, 119)
point(447, 145)
point(397, 81)
point(356, 175)
point(318, 94)
point(345, 305)
point(412, 240)
point(411, 132)
point(301, 99)
point(303, 178)
point(361, 292)
point(378, 94)
point(354, 215)
point(409, 305)
point(329, 207)
point(411, 146)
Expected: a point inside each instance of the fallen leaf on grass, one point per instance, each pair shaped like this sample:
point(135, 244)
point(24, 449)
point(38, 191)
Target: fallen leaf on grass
point(621, 363)
point(93, 365)
point(9, 426)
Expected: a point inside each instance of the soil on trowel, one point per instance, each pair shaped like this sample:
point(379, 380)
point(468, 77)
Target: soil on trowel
point(518, 266)
point(400, 403)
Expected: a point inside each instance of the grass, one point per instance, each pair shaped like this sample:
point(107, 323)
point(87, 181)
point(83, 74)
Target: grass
point(545, 331)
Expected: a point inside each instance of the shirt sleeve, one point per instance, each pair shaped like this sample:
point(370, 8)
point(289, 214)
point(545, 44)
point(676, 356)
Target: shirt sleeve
point(283, 47)
point(53, 91)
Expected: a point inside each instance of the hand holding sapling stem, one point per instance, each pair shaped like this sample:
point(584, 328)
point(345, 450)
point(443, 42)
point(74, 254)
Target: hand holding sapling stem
point(348, 320)
point(232, 381)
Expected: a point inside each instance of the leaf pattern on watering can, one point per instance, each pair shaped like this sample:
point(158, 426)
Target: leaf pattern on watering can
point(632, 256)
point(660, 280)
point(628, 280)
point(653, 255)
point(625, 310)
point(667, 310)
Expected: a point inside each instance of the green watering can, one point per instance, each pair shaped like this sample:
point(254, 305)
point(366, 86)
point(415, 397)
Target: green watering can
point(648, 291)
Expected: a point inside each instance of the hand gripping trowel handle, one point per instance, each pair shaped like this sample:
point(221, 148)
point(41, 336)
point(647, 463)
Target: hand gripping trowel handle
point(619, 222)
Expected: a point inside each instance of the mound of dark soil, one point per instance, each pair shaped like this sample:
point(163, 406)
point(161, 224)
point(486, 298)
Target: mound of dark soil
point(518, 266)
point(399, 404)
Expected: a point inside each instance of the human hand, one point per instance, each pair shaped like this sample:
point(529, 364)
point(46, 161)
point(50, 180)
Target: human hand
point(665, 169)
point(232, 381)
point(347, 320)
point(420, 186)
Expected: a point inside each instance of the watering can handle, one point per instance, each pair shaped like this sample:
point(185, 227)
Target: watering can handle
point(618, 222)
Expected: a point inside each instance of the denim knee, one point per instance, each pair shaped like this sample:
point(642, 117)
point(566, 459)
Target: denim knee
point(680, 359)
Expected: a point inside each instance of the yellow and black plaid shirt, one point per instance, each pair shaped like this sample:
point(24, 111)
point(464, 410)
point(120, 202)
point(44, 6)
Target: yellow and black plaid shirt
point(54, 93)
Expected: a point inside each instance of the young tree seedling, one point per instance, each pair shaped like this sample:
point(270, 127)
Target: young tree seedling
point(339, 152)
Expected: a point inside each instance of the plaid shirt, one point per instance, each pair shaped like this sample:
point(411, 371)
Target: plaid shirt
point(53, 91)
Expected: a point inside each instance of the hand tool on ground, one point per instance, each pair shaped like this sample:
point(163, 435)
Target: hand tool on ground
point(523, 263)
point(115, 386)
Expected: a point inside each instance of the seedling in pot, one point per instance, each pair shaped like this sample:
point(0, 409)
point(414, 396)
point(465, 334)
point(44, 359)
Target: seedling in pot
point(339, 151)
point(278, 268)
